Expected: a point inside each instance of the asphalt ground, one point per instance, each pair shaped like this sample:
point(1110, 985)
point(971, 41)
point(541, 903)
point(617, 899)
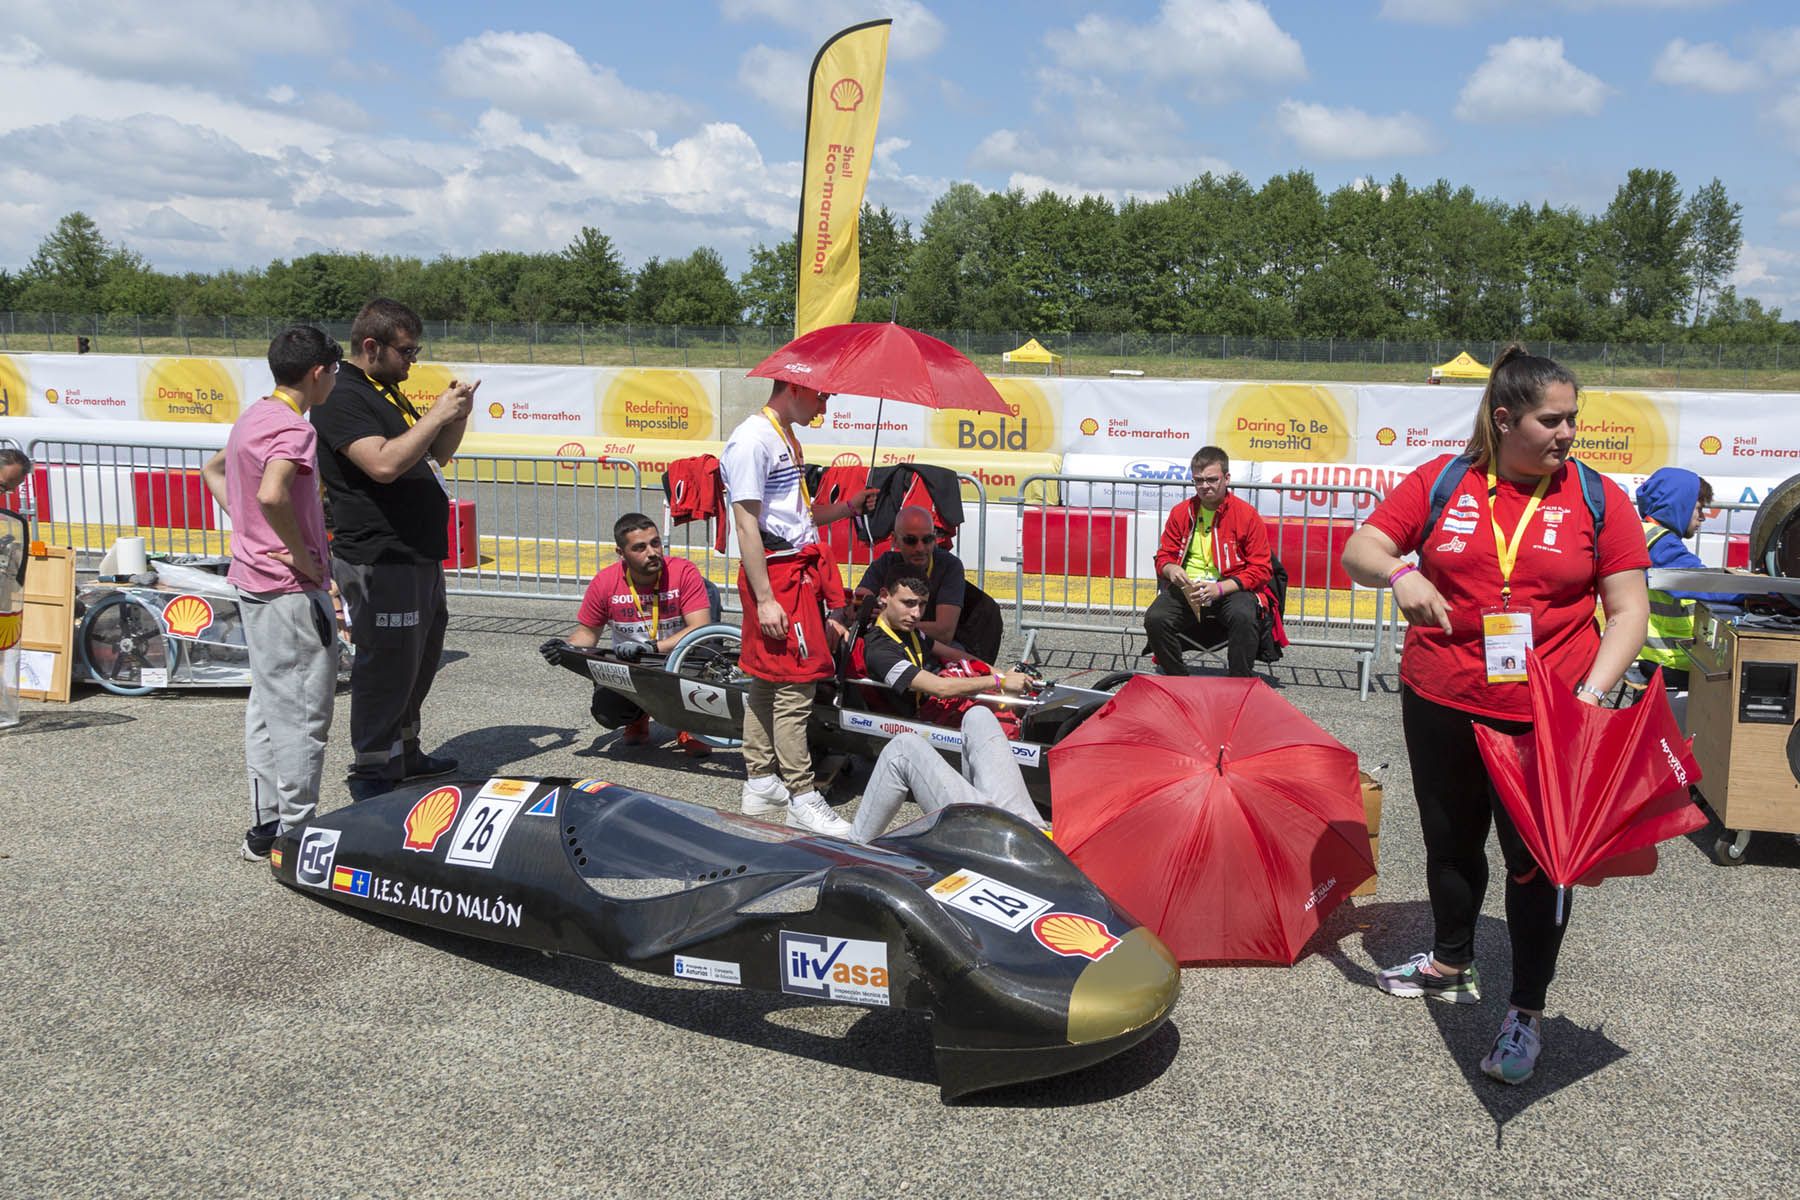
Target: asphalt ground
point(175, 1023)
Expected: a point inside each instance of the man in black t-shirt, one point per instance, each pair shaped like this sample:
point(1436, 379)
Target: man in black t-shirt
point(955, 611)
point(379, 458)
point(905, 662)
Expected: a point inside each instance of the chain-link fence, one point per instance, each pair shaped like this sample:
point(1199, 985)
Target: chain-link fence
point(1642, 364)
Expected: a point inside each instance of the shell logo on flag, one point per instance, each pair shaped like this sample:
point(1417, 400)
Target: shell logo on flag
point(195, 390)
point(430, 817)
point(1623, 433)
point(186, 616)
point(1029, 425)
point(14, 401)
point(642, 402)
point(1073, 935)
point(1287, 422)
point(1710, 445)
point(11, 623)
point(846, 94)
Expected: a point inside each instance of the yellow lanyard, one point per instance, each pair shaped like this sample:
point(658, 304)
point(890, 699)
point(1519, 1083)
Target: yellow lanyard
point(911, 646)
point(1507, 550)
point(288, 400)
point(793, 445)
point(393, 397)
point(655, 606)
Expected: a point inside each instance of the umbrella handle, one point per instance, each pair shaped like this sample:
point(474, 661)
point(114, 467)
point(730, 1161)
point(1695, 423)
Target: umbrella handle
point(1560, 893)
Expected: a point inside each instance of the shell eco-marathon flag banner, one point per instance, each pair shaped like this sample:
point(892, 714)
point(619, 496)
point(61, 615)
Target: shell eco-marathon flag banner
point(843, 106)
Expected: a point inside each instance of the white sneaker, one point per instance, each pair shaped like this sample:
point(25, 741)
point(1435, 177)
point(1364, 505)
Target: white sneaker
point(763, 795)
point(1515, 1053)
point(809, 811)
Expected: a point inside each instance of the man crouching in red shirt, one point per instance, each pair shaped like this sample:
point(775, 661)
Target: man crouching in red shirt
point(1213, 559)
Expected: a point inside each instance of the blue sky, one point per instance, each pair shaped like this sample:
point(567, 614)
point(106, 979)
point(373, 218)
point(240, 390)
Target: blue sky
point(229, 132)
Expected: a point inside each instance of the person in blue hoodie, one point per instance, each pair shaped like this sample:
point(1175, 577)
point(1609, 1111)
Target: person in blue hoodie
point(1669, 503)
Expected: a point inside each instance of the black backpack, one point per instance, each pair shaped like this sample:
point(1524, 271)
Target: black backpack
point(1593, 493)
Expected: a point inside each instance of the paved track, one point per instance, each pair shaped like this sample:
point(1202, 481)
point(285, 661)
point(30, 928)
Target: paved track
point(177, 1024)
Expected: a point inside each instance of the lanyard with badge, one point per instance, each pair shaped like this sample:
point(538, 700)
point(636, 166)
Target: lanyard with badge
point(793, 445)
point(909, 646)
point(1505, 634)
point(655, 607)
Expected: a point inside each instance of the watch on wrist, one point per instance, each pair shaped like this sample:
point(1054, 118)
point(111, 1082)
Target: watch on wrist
point(1595, 692)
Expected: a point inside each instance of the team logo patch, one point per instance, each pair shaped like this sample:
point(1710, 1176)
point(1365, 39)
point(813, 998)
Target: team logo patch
point(589, 785)
point(1073, 935)
point(1454, 546)
point(508, 788)
point(186, 616)
point(832, 968)
point(352, 880)
point(545, 807)
point(430, 817)
point(318, 849)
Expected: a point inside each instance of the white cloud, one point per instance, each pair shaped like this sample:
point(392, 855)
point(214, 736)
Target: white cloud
point(777, 78)
point(544, 78)
point(1786, 113)
point(1351, 133)
point(1768, 272)
point(127, 39)
point(1779, 51)
point(1216, 47)
point(917, 31)
point(166, 225)
point(1704, 66)
point(1099, 169)
point(1527, 79)
point(142, 158)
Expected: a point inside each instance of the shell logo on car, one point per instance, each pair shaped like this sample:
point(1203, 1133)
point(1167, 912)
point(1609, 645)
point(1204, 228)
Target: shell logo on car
point(1286, 422)
point(1073, 935)
point(430, 817)
point(10, 625)
point(1029, 424)
point(640, 402)
point(186, 616)
point(1623, 433)
point(194, 390)
point(14, 400)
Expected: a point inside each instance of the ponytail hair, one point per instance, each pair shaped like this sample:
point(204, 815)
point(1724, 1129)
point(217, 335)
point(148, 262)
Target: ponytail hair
point(1517, 384)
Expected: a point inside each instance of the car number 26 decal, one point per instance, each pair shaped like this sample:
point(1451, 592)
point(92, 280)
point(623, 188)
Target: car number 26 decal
point(482, 829)
point(997, 903)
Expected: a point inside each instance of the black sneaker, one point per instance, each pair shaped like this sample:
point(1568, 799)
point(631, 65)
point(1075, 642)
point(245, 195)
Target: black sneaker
point(420, 765)
point(257, 841)
point(1414, 977)
point(367, 787)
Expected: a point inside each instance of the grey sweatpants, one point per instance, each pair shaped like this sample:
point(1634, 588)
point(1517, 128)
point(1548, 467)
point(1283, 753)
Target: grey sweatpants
point(908, 765)
point(293, 681)
point(397, 621)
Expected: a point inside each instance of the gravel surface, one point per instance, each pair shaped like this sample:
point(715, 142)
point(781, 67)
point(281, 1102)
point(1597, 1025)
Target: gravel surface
point(177, 1024)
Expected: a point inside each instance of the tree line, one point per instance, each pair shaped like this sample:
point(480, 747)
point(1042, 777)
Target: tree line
point(1216, 256)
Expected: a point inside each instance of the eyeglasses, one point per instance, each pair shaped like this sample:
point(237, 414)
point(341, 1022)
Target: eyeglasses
point(915, 539)
point(409, 353)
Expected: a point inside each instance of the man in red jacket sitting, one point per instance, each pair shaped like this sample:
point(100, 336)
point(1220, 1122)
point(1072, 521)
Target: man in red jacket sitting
point(1213, 560)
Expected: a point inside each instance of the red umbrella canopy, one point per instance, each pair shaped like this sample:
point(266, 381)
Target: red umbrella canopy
point(884, 360)
point(1595, 795)
point(1215, 813)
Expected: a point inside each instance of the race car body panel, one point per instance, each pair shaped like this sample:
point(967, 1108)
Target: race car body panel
point(970, 915)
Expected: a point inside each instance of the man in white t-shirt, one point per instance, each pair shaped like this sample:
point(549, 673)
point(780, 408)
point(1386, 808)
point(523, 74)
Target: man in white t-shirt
point(787, 583)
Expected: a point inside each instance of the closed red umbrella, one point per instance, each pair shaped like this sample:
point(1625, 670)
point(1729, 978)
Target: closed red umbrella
point(1593, 797)
point(1214, 812)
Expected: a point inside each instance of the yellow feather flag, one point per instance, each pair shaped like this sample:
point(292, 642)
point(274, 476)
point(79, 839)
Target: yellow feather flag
point(843, 104)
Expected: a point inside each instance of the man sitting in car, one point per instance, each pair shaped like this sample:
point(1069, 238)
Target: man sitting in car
point(955, 610)
point(906, 664)
point(648, 602)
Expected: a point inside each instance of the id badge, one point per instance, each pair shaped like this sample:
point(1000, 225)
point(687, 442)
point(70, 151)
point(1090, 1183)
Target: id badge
point(1505, 641)
point(437, 473)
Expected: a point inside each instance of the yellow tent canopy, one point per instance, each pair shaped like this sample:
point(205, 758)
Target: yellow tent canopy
point(1460, 367)
point(1030, 352)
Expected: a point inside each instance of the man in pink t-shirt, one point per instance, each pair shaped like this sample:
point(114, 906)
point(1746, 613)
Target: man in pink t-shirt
point(266, 479)
point(648, 602)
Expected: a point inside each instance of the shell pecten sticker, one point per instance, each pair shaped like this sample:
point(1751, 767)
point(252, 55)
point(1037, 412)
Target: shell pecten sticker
point(11, 623)
point(1623, 433)
point(14, 399)
point(1286, 422)
point(641, 402)
point(1028, 425)
point(196, 390)
point(1073, 935)
point(187, 616)
point(430, 817)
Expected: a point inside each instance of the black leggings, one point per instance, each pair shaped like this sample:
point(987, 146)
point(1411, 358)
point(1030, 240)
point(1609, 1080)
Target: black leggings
point(1456, 805)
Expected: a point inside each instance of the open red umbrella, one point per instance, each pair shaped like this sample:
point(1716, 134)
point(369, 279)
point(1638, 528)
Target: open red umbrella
point(1605, 785)
point(887, 361)
point(1215, 813)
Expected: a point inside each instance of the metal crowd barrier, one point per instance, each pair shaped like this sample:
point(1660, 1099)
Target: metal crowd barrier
point(97, 493)
point(1090, 568)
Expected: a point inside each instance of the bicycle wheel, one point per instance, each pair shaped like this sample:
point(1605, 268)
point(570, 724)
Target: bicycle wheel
point(122, 640)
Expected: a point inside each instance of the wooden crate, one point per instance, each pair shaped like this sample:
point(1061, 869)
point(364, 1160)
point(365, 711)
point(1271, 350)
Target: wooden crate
point(47, 639)
point(1371, 795)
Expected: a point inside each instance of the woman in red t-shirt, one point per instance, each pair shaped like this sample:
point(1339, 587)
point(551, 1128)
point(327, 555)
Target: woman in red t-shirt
point(1516, 541)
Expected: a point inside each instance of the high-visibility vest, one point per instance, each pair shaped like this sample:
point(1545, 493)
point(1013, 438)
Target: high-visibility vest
point(1671, 621)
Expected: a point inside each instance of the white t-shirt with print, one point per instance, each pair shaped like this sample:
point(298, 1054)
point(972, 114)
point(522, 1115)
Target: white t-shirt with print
point(758, 464)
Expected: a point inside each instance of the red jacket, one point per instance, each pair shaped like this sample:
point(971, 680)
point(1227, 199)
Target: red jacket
point(1240, 543)
point(695, 493)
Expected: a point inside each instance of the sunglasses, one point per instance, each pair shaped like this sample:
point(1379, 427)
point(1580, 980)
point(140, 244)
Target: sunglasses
point(915, 539)
point(409, 353)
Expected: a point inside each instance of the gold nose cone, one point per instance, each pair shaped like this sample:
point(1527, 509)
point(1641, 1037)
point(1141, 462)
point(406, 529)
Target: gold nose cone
point(1133, 986)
